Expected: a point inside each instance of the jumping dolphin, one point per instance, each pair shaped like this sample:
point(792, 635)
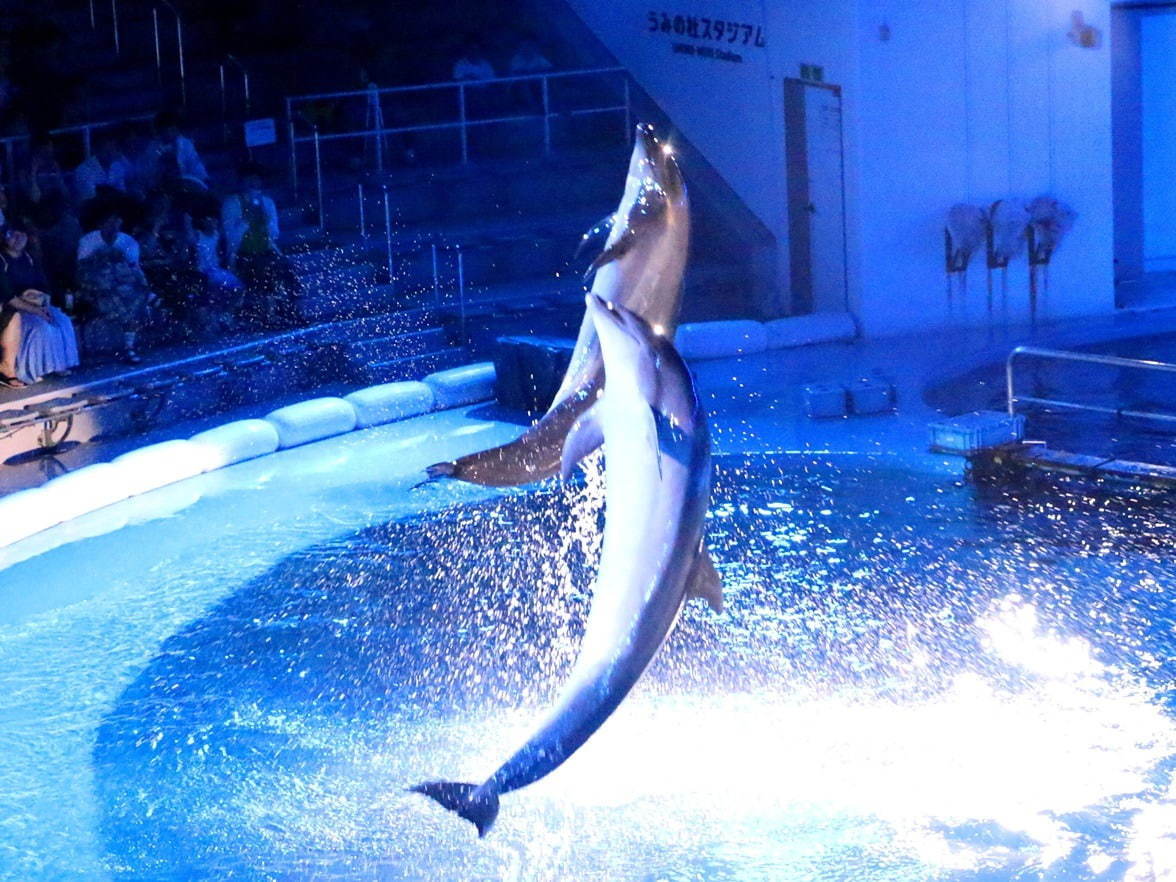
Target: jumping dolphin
point(658, 475)
point(641, 269)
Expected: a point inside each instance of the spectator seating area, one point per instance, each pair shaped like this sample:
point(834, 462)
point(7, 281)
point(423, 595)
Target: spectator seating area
point(198, 281)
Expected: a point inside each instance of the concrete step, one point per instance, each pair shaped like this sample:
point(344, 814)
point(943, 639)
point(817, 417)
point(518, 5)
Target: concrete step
point(339, 281)
point(380, 350)
point(413, 367)
point(347, 302)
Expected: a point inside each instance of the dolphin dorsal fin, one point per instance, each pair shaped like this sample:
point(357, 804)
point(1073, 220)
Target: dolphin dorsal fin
point(584, 436)
point(704, 581)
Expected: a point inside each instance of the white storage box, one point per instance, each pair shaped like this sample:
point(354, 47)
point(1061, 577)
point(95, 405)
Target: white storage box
point(825, 400)
point(972, 432)
point(870, 395)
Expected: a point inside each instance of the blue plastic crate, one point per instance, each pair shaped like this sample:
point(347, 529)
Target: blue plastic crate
point(977, 431)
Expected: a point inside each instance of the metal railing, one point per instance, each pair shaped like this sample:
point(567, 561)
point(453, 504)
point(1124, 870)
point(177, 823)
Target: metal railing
point(232, 62)
point(167, 4)
point(463, 93)
point(1013, 399)
point(85, 130)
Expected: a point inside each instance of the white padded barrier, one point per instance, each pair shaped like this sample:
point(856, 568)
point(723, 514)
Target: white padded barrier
point(237, 441)
point(26, 513)
point(462, 385)
point(723, 339)
point(158, 465)
point(389, 402)
point(88, 489)
point(804, 330)
point(312, 420)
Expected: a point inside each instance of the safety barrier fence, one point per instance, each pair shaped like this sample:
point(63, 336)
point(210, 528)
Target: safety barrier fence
point(451, 113)
point(1013, 398)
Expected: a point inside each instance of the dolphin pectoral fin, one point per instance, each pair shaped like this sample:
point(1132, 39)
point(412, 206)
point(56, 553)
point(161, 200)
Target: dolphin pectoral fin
point(464, 799)
point(585, 436)
point(601, 228)
point(615, 251)
point(704, 581)
point(441, 470)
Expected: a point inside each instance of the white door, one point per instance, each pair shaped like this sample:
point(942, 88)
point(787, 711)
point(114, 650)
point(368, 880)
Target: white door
point(816, 196)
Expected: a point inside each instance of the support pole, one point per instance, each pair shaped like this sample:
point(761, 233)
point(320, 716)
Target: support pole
point(461, 106)
point(461, 294)
point(388, 236)
point(362, 224)
point(318, 178)
point(546, 118)
point(183, 73)
point(158, 53)
point(628, 109)
point(293, 147)
point(436, 277)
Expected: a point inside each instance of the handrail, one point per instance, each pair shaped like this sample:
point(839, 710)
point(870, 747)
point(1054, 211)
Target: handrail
point(374, 126)
point(1012, 398)
point(86, 129)
point(449, 84)
point(234, 61)
point(179, 45)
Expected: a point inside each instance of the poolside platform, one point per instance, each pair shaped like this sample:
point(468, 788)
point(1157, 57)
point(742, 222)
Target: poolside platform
point(1007, 460)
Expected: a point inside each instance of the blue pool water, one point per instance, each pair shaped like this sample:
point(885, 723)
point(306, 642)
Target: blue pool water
point(915, 678)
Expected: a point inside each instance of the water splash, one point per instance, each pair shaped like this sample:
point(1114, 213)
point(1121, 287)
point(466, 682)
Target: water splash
point(913, 680)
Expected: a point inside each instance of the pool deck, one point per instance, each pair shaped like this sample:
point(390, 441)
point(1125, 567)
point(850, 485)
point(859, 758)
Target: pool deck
point(756, 402)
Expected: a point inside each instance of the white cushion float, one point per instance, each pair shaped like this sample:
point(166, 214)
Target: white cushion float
point(804, 330)
point(724, 339)
point(88, 489)
point(158, 465)
point(462, 385)
point(312, 420)
point(26, 513)
point(389, 402)
point(237, 441)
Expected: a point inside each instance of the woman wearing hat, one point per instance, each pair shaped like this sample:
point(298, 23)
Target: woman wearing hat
point(37, 338)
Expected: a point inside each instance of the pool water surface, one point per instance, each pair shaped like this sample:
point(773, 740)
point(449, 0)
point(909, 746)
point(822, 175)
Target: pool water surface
point(914, 678)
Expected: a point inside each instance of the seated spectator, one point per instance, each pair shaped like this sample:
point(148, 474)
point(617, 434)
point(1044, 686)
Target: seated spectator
point(528, 59)
point(59, 232)
point(106, 167)
point(473, 64)
point(111, 280)
point(171, 161)
point(10, 328)
point(42, 175)
point(250, 222)
point(223, 290)
point(47, 341)
point(163, 257)
point(107, 220)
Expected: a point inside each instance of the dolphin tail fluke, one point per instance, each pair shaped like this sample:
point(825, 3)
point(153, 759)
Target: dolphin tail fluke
point(479, 809)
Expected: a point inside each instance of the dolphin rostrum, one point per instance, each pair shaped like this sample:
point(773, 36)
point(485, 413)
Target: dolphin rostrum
point(641, 269)
point(658, 475)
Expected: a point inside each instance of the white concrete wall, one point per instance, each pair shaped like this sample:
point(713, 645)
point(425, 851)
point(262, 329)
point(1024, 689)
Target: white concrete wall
point(968, 100)
point(732, 112)
point(1157, 54)
point(971, 101)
